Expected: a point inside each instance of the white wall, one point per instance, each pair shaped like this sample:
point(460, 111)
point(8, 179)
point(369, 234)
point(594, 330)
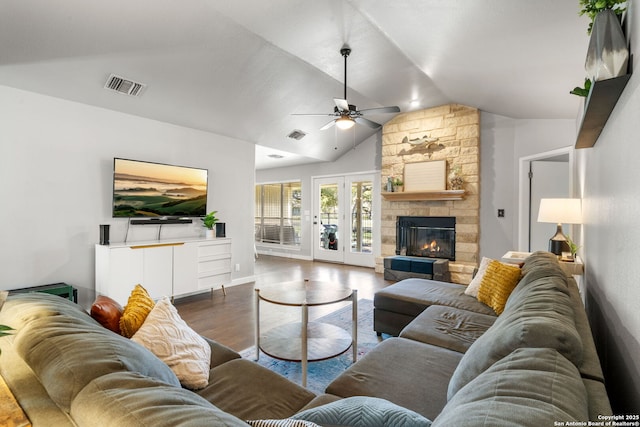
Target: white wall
point(365, 157)
point(503, 141)
point(608, 180)
point(56, 170)
point(497, 185)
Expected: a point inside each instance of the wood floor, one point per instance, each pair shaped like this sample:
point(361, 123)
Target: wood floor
point(230, 319)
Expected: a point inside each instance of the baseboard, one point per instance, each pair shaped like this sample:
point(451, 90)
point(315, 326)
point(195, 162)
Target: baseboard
point(286, 255)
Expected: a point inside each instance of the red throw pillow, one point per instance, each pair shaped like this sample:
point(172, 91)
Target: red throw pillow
point(107, 312)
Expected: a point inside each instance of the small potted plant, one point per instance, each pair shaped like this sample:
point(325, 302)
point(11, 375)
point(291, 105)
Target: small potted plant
point(209, 222)
point(397, 185)
point(591, 8)
point(607, 54)
point(572, 247)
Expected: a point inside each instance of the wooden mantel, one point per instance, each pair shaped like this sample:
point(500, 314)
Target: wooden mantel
point(424, 195)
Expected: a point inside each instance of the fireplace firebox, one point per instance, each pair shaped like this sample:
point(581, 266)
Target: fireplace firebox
point(426, 236)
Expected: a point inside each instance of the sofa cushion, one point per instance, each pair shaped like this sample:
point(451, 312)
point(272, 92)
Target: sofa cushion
point(541, 317)
point(54, 339)
point(406, 372)
point(169, 337)
point(541, 261)
point(412, 296)
point(130, 399)
point(530, 387)
point(448, 327)
point(252, 392)
point(363, 411)
point(107, 312)
point(138, 307)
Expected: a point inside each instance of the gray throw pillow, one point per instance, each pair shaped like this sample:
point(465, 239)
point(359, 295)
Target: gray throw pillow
point(363, 411)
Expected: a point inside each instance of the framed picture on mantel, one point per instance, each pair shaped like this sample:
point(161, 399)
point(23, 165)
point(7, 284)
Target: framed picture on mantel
point(425, 176)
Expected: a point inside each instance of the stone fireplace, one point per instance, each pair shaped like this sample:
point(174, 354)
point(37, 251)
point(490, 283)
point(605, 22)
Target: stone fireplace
point(457, 128)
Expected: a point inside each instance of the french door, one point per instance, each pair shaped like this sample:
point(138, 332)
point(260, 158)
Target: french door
point(343, 219)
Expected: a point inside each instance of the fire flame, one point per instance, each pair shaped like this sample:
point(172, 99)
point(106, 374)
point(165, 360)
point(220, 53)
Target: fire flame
point(431, 247)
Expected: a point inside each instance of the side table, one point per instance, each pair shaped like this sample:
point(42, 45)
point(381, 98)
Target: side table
point(306, 341)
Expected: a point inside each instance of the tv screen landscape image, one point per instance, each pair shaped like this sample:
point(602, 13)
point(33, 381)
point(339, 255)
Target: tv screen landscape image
point(146, 189)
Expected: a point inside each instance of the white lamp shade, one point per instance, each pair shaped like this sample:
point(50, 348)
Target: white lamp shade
point(560, 211)
point(345, 122)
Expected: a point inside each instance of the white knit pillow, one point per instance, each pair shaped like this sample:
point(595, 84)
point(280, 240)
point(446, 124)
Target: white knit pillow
point(166, 335)
point(472, 288)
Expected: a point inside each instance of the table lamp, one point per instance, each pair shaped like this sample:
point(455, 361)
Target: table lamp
point(559, 211)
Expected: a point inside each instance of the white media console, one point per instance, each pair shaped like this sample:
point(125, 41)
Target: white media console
point(170, 268)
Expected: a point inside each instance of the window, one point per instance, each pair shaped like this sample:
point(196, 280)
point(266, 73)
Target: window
point(277, 216)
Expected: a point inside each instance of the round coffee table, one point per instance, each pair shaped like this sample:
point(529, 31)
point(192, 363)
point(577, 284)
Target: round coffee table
point(306, 341)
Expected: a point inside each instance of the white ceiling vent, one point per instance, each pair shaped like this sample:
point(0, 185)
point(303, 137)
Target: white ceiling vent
point(297, 134)
point(125, 86)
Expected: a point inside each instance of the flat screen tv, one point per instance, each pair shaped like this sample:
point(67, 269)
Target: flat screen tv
point(147, 190)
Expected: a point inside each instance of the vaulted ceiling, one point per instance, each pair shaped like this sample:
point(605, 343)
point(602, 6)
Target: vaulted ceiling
point(242, 68)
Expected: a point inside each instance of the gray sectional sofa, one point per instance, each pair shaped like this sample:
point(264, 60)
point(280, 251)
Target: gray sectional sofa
point(454, 364)
point(457, 363)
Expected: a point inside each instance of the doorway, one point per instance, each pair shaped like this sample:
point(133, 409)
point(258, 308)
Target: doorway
point(544, 175)
point(343, 227)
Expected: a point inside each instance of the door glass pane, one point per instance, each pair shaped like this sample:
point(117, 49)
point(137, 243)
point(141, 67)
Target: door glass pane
point(329, 216)
point(361, 194)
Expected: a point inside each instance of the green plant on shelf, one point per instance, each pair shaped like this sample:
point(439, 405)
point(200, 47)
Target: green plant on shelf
point(209, 220)
point(572, 247)
point(582, 91)
point(592, 7)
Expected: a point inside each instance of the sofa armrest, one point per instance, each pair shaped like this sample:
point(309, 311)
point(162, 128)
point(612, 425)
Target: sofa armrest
point(220, 353)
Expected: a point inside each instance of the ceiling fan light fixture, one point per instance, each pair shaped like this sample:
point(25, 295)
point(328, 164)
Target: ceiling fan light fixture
point(345, 122)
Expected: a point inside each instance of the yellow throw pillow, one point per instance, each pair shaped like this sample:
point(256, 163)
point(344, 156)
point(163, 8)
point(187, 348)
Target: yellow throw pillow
point(497, 284)
point(136, 311)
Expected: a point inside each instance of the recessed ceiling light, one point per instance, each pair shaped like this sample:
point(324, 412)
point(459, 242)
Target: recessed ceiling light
point(275, 156)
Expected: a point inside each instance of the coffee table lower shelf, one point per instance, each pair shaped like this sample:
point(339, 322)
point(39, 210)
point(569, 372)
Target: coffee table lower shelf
point(324, 341)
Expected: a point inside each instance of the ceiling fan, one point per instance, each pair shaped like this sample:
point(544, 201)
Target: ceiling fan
point(347, 115)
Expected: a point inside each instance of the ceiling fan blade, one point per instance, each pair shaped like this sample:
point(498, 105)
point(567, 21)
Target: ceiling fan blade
point(315, 114)
point(342, 104)
point(328, 125)
point(381, 110)
point(367, 122)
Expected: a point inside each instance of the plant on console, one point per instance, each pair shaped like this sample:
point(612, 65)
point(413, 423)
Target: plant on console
point(209, 220)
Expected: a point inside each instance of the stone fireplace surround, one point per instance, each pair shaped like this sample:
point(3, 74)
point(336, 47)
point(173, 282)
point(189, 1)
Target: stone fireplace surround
point(458, 129)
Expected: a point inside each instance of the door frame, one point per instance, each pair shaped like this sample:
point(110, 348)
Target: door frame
point(523, 189)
